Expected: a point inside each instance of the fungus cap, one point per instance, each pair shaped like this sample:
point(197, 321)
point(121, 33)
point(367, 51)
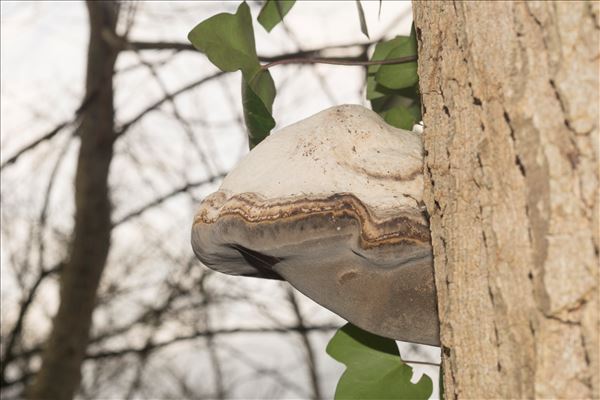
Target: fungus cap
point(333, 205)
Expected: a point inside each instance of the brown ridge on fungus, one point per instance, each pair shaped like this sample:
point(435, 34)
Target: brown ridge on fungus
point(373, 232)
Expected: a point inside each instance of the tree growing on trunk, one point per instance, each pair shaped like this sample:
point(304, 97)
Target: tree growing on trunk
point(510, 99)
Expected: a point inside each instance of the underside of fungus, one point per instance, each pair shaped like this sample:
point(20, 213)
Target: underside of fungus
point(331, 204)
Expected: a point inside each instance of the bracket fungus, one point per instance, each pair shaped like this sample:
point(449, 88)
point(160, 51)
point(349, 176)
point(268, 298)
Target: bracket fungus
point(333, 205)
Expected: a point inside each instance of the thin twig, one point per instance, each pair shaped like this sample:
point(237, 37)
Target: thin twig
point(179, 46)
point(58, 128)
point(203, 334)
point(420, 362)
point(339, 61)
point(179, 117)
point(167, 196)
point(217, 369)
point(164, 99)
point(311, 360)
point(9, 356)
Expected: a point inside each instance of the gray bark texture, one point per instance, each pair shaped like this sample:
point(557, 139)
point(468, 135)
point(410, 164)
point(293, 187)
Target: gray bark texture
point(510, 100)
point(60, 373)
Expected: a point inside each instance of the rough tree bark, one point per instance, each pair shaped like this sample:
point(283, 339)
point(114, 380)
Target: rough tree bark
point(59, 375)
point(510, 98)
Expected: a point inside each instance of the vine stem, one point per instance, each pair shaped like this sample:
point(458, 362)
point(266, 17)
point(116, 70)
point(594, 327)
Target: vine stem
point(336, 61)
point(420, 362)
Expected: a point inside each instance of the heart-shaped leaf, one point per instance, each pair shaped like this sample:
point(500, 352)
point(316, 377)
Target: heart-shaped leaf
point(228, 42)
point(374, 369)
point(381, 52)
point(399, 76)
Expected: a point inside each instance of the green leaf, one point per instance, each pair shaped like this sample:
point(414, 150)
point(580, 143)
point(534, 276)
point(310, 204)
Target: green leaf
point(399, 76)
point(376, 91)
point(393, 89)
point(400, 117)
point(263, 86)
point(228, 40)
point(273, 12)
point(415, 111)
point(407, 99)
point(374, 369)
point(381, 52)
point(382, 104)
point(257, 113)
point(383, 49)
point(362, 19)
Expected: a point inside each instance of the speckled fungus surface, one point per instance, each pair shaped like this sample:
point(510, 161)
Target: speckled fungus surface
point(331, 204)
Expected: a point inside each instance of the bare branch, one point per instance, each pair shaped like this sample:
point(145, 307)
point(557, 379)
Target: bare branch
point(9, 354)
point(203, 334)
point(36, 142)
point(178, 116)
point(165, 197)
point(58, 128)
point(311, 362)
point(178, 46)
point(273, 373)
point(169, 96)
point(220, 391)
point(355, 61)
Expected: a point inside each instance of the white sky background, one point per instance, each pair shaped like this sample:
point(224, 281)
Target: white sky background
point(43, 54)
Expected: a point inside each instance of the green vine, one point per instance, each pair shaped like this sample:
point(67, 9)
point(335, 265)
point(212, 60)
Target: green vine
point(374, 368)
point(228, 42)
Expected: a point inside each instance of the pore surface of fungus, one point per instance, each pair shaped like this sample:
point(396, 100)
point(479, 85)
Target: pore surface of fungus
point(331, 204)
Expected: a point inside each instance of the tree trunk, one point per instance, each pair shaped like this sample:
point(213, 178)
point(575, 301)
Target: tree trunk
point(60, 373)
point(510, 99)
